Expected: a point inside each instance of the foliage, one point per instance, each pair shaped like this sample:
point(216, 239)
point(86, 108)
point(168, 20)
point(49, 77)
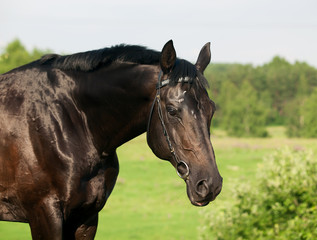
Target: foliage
point(15, 55)
point(302, 119)
point(243, 113)
point(277, 90)
point(282, 205)
point(309, 116)
point(294, 120)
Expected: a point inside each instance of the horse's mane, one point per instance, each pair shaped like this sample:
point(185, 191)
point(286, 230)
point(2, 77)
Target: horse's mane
point(92, 60)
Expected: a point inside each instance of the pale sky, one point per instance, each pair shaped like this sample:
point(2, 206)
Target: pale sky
point(244, 31)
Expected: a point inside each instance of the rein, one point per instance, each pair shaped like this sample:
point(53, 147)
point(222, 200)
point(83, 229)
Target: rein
point(157, 100)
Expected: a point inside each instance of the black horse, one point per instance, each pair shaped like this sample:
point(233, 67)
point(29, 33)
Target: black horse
point(63, 117)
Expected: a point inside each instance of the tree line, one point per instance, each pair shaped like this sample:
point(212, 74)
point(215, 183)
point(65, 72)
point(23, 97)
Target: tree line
point(248, 97)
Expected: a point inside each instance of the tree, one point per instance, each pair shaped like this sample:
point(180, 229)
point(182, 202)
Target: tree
point(279, 86)
point(15, 55)
point(301, 112)
point(293, 117)
point(244, 114)
point(309, 116)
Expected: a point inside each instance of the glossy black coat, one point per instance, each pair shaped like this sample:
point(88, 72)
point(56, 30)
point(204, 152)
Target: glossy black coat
point(62, 118)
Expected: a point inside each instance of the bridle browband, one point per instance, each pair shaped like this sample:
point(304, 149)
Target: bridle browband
point(157, 100)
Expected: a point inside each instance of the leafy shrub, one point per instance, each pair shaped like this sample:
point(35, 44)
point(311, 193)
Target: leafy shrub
point(281, 205)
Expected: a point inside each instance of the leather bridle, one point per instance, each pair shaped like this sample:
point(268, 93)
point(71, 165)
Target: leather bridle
point(157, 100)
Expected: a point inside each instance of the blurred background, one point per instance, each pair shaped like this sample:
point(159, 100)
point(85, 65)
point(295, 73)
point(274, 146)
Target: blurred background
point(263, 78)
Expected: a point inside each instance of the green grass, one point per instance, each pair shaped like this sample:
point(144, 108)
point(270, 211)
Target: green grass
point(149, 200)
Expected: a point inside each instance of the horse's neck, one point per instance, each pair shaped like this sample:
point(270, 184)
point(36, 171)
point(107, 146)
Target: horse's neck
point(116, 101)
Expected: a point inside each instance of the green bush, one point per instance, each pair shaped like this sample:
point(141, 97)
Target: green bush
point(281, 205)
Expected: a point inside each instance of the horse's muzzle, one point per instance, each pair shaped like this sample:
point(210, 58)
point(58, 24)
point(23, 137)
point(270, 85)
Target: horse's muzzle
point(205, 191)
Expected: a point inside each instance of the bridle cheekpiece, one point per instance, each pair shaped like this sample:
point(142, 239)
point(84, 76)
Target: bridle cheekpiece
point(157, 100)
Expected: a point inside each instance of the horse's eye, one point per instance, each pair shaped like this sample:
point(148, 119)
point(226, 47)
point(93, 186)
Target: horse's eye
point(171, 110)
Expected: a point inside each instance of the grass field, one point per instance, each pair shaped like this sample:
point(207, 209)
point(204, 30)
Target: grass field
point(149, 200)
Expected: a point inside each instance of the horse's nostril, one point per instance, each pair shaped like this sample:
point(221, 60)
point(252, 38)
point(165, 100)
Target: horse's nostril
point(202, 188)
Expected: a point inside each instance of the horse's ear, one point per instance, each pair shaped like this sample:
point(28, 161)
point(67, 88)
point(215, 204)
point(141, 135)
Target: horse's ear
point(203, 58)
point(168, 57)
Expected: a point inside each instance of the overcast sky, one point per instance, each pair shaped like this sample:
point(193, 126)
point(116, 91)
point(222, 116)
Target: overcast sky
point(245, 31)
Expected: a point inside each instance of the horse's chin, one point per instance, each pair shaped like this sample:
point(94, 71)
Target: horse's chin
point(195, 202)
point(200, 204)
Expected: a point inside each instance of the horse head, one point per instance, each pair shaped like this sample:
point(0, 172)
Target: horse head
point(179, 124)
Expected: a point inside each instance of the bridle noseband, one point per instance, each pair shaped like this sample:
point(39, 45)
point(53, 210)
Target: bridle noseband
point(157, 100)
